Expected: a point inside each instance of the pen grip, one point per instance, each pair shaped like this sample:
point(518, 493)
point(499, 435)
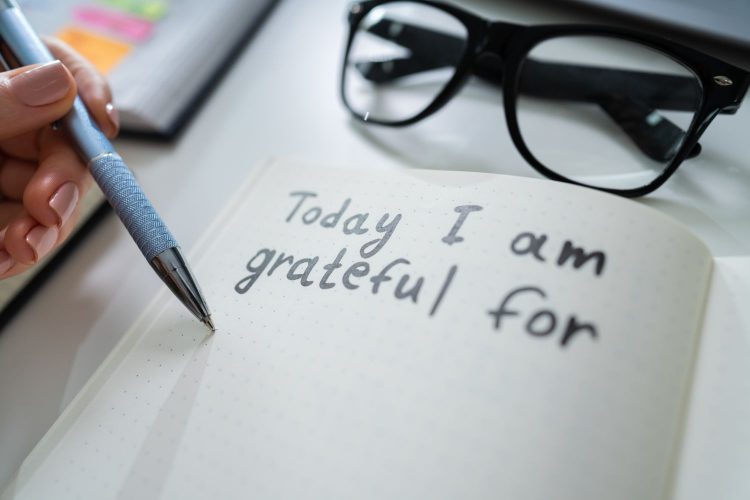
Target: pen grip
point(131, 205)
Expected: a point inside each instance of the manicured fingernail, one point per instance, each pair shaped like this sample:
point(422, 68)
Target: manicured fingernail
point(42, 85)
point(114, 116)
point(41, 239)
point(6, 261)
point(64, 201)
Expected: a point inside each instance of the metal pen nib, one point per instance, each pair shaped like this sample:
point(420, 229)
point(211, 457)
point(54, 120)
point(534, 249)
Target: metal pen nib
point(174, 271)
point(210, 324)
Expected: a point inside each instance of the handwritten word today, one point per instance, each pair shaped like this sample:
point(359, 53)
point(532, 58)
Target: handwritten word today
point(526, 308)
point(353, 224)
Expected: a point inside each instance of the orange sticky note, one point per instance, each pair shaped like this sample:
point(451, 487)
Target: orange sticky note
point(103, 52)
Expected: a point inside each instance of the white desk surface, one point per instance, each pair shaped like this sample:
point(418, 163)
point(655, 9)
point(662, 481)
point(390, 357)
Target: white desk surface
point(281, 99)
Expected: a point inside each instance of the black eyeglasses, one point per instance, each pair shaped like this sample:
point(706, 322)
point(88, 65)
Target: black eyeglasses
point(607, 108)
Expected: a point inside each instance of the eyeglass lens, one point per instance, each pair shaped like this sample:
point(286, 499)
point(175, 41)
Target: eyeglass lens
point(603, 111)
point(393, 71)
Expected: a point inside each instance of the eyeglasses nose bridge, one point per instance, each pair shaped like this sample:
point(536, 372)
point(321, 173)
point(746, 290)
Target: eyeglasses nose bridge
point(489, 57)
point(498, 34)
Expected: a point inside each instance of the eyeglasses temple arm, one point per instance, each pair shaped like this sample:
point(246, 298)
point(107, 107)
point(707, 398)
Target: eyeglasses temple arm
point(628, 97)
point(431, 48)
point(592, 84)
point(656, 136)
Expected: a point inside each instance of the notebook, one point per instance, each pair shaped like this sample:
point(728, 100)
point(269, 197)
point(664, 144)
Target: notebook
point(423, 334)
point(161, 57)
point(723, 20)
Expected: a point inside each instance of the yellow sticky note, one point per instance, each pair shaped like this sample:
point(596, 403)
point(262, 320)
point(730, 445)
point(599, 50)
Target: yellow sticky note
point(101, 51)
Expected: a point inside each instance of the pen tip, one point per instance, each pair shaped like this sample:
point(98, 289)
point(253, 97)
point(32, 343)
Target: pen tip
point(210, 324)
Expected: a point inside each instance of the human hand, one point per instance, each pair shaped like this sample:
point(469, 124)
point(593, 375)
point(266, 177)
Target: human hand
point(42, 179)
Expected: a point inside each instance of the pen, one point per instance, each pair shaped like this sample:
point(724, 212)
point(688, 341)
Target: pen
point(21, 47)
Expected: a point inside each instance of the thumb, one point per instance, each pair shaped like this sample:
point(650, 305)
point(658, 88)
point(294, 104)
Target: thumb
point(34, 96)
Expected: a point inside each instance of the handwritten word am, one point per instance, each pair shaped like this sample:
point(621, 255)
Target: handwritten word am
point(528, 243)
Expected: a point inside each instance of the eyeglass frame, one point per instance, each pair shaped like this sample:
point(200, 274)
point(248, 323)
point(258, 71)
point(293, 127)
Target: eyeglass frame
point(723, 85)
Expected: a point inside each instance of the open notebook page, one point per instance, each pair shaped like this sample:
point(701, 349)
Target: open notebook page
point(715, 459)
point(486, 366)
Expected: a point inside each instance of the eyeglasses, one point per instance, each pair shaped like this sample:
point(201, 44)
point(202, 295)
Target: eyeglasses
point(607, 108)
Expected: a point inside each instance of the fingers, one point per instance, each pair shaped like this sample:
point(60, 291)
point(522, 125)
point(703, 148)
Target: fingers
point(24, 241)
point(8, 265)
point(92, 86)
point(24, 146)
point(34, 96)
point(9, 211)
point(42, 178)
point(55, 187)
point(41, 170)
point(14, 176)
point(25, 250)
point(50, 197)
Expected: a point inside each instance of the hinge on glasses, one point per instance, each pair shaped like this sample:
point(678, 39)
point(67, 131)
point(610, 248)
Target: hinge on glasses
point(723, 81)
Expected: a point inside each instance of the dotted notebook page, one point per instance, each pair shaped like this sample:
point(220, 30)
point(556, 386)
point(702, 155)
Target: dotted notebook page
point(401, 334)
point(716, 453)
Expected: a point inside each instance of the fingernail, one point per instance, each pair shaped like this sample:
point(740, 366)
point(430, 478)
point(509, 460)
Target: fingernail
point(6, 261)
point(114, 116)
point(2, 235)
point(41, 239)
point(42, 85)
point(64, 201)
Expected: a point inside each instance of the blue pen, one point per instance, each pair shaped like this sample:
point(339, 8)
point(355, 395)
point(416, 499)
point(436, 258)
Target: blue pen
point(111, 174)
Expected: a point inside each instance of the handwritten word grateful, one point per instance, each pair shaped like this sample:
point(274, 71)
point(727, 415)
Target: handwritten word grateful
point(351, 275)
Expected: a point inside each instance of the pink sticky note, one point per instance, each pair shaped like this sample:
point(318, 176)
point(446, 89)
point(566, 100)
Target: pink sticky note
point(131, 27)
